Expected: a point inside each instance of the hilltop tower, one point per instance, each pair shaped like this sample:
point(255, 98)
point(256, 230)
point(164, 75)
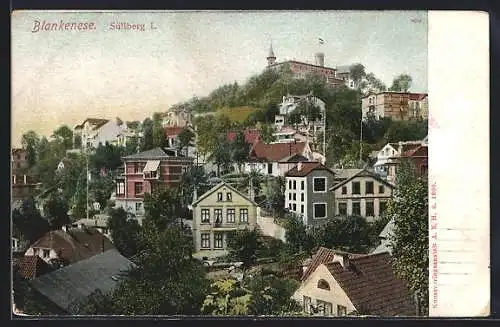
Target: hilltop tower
point(271, 59)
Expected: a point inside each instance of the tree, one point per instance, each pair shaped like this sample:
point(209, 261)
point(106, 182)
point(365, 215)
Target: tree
point(185, 138)
point(124, 232)
point(296, 234)
point(30, 141)
point(162, 208)
point(357, 72)
point(221, 155)
point(226, 298)
point(374, 84)
point(56, 212)
point(106, 156)
point(64, 134)
point(194, 177)
point(267, 132)
point(158, 133)
point(401, 83)
point(28, 221)
point(243, 245)
point(409, 241)
point(239, 150)
point(78, 141)
point(274, 190)
point(147, 132)
point(132, 146)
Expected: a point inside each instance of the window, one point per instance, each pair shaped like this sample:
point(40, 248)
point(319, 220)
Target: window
point(46, 253)
point(323, 284)
point(229, 197)
point(36, 251)
point(344, 189)
point(301, 196)
point(120, 188)
point(307, 304)
point(302, 185)
point(205, 216)
point(294, 207)
point(324, 308)
point(243, 215)
point(356, 188)
point(382, 208)
point(137, 168)
point(218, 240)
point(18, 165)
point(369, 187)
point(320, 210)
point(205, 241)
point(138, 188)
point(290, 184)
point(341, 310)
point(290, 196)
point(294, 185)
point(138, 206)
point(219, 196)
point(356, 209)
point(231, 215)
point(294, 196)
point(369, 212)
point(342, 209)
point(218, 216)
point(319, 184)
point(269, 168)
point(381, 189)
point(301, 208)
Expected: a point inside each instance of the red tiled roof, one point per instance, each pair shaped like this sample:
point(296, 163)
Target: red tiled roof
point(323, 256)
point(32, 266)
point(417, 96)
point(76, 244)
point(173, 130)
point(420, 151)
point(275, 151)
point(307, 167)
point(372, 286)
point(251, 135)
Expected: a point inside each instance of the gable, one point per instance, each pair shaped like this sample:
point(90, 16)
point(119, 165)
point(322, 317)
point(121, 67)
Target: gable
point(211, 196)
point(363, 176)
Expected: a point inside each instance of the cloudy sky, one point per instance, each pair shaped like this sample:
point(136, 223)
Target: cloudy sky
point(62, 77)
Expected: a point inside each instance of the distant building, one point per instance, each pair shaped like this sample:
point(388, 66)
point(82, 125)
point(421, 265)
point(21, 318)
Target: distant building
point(360, 192)
point(301, 69)
point(23, 185)
point(146, 172)
point(219, 211)
point(344, 73)
point(251, 135)
point(395, 105)
point(307, 192)
point(339, 284)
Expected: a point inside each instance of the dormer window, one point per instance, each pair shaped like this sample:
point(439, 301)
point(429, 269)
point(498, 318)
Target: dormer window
point(229, 196)
point(219, 197)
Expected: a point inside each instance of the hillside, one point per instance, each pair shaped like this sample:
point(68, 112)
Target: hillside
point(237, 114)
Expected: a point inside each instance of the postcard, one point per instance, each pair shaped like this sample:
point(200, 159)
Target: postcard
point(250, 163)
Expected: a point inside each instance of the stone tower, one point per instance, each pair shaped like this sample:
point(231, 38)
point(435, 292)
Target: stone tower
point(271, 59)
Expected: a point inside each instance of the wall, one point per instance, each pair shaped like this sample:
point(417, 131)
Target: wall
point(323, 197)
point(297, 191)
point(335, 295)
point(270, 228)
point(108, 133)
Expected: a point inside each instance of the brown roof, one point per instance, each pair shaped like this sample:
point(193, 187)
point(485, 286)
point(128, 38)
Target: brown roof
point(97, 122)
point(32, 266)
point(275, 151)
point(323, 256)
point(76, 244)
point(307, 167)
point(372, 286)
point(420, 151)
point(251, 135)
point(417, 96)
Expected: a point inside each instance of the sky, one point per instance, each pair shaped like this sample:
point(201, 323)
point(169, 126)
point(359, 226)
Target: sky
point(65, 76)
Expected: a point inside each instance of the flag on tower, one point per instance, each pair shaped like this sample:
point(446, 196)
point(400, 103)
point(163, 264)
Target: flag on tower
point(321, 41)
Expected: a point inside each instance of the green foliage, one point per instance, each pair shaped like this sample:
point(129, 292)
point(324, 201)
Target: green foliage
point(162, 208)
point(357, 72)
point(132, 146)
point(106, 156)
point(401, 83)
point(64, 134)
point(30, 141)
point(124, 232)
point(274, 193)
point(185, 139)
point(297, 237)
point(243, 245)
point(78, 141)
point(56, 211)
point(406, 131)
point(409, 241)
point(266, 132)
point(147, 132)
point(28, 222)
point(195, 176)
point(239, 149)
point(158, 132)
point(221, 155)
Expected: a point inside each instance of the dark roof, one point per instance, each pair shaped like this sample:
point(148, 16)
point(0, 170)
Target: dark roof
point(307, 167)
point(372, 286)
point(156, 153)
point(32, 266)
point(323, 256)
point(97, 122)
point(76, 244)
point(69, 286)
point(275, 151)
point(365, 173)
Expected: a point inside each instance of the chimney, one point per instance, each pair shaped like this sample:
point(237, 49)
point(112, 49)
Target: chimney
point(343, 259)
point(320, 59)
point(299, 166)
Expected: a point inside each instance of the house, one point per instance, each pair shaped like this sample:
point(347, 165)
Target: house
point(32, 266)
point(290, 102)
point(395, 105)
point(251, 135)
point(384, 237)
point(363, 193)
point(171, 133)
point(23, 185)
point(339, 284)
point(287, 134)
point(266, 158)
point(69, 245)
point(98, 222)
point(306, 192)
point(64, 290)
point(221, 210)
point(96, 131)
point(146, 172)
point(127, 134)
point(392, 154)
point(344, 73)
